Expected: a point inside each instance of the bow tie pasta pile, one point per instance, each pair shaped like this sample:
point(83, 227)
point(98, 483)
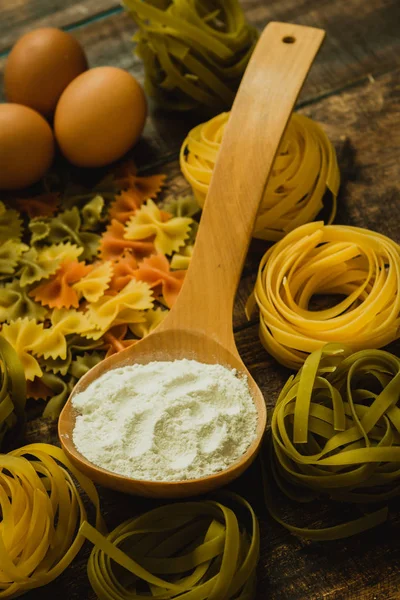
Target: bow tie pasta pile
point(84, 275)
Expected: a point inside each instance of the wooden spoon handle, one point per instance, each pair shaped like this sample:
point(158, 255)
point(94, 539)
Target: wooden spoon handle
point(259, 115)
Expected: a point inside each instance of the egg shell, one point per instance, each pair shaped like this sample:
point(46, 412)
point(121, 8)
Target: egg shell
point(100, 116)
point(40, 66)
point(26, 146)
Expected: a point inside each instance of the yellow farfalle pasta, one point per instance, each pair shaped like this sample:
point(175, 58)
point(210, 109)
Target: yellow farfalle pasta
point(357, 269)
point(181, 260)
point(37, 264)
point(304, 168)
point(23, 335)
point(93, 285)
point(53, 343)
point(335, 432)
point(42, 511)
point(12, 390)
point(195, 550)
point(152, 318)
point(148, 221)
point(126, 306)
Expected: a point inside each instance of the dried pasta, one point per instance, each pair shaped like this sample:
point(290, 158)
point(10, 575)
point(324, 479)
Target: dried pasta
point(152, 318)
point(12, 390)
point(93, 213)
point(125, 205)
point(123, 271)
point(93, 285)
point(194, 52)
point(125, 307)
point(193, 550)
point(335, 431)
point(10, 224)
point(169, 235)
point(42, 511)
point(10, 253)
point(44, 205)
point(357, 268)
point(155, 271)
point(15, 303)
point(304, 169)
point(113, 243)
point(23, 335)
point(58, 291)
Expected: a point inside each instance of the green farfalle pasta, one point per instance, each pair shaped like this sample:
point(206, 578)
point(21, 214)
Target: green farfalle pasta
point(82, 363)
point(194, 51)
point(93, 214)
point(15, 304)
point(181, 206)
point(10, 224)
point(61, 388)
point(65, 227)
point(193, 550)
point(12, 390)
point(10, 252)
point(335, 432)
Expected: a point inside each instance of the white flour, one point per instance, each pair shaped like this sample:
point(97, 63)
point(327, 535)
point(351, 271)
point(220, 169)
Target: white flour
point(165, 421)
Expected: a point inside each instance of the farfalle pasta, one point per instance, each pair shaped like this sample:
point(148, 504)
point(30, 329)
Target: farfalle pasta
point(10, 253)
point(155, 271)
point(304, 169)
point(15, 303)
point(127, 306)
point(58, 291)
point(148, 222)
point(10, 224)
point(73, 291)
point(23, 335)
point(357, 268)
point(93, 285)
point(12, 390)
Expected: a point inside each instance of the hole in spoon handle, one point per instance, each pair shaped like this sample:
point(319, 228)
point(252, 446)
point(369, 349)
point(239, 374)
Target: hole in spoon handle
point(262, 108)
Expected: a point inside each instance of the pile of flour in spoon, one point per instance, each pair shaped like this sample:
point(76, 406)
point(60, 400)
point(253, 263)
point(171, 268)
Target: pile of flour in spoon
point(165, 421)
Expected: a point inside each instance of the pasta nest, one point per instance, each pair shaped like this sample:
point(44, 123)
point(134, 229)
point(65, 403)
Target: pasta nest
point(191, 549)
point(356, 269)
point(336, 431)
point(304, 169)
point(41, 512)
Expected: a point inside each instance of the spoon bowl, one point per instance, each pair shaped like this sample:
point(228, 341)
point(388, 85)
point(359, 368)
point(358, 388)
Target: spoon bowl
point(199, 326)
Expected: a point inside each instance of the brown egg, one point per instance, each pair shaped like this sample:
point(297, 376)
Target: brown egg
point(100, 116)
point(40, 66)
point(26, 146)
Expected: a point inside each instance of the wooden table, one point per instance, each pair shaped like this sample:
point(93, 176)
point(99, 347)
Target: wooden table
point(353, 91)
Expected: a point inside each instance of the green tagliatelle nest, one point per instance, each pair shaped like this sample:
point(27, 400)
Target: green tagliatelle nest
point(194, 52)
point(187, 550)
point(336, 432)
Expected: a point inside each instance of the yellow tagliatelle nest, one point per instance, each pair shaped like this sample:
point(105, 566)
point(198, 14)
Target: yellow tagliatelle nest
point(12, 390)
point(304, 169)
point(40, 514)
point(193, 550)
point(194, 51)
point(336, 431)
point(357, 270)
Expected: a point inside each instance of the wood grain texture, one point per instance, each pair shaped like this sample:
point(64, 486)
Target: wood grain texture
point(20, 16)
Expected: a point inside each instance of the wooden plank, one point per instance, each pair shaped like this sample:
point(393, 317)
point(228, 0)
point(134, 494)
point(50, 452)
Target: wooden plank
point(20, 16)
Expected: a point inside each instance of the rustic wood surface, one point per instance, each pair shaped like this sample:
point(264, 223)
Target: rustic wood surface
point(354, 91)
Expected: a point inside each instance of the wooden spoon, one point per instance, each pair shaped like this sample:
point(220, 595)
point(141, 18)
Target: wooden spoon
point(200, 324)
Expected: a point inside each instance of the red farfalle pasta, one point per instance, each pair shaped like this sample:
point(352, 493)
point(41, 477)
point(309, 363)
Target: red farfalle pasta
point(115, 340)
point(57, 291)
point(124, 270)
point(113, 244)
point(155, 271)
point(44, 205)
point(147, 187)
point(125, 205)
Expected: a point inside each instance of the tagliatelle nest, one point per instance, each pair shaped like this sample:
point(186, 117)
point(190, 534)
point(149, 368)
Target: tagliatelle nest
point(304, 170)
